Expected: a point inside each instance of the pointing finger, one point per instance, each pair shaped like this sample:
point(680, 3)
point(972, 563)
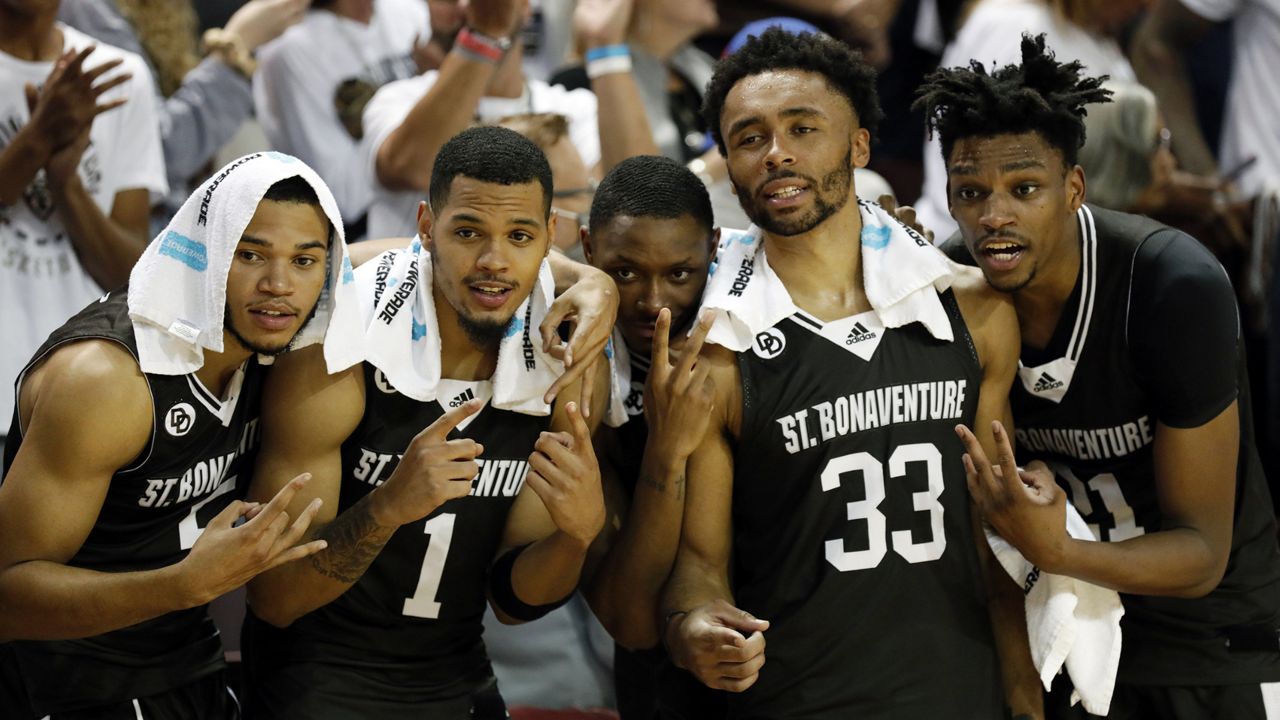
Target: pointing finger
point(439, 430)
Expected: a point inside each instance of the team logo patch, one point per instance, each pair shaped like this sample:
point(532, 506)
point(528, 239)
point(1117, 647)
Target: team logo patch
point(770, 343)
point(381, 381)
point(180, 419)
point(634, 404)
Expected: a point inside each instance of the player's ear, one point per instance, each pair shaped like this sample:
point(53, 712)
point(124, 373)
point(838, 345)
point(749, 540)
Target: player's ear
point(587, 251)
point(1075, 187)
point(860, 147)
point(425, 222)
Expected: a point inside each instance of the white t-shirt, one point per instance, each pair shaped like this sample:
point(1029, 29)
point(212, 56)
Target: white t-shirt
point(993, 36)
point(1253, 99)
point(42, 283)
point(299, 72)
point(394, 213)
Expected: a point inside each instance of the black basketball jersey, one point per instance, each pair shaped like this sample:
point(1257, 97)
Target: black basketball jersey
point(851, 523)
point(417, 611)
point(1088, 406)
point(195, 464)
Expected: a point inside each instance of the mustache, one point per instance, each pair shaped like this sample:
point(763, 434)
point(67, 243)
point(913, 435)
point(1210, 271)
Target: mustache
point(479, 278)
point(1003, 235)
point(779, 175)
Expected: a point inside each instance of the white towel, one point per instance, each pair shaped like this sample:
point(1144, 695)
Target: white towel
point(902, 274)
point(403, 341)
point(178, 288)
point(619, 379)
point(1069, 622)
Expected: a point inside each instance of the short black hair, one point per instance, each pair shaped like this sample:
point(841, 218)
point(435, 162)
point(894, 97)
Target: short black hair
point(293, 190)
point(489, 154)
point(1041, 95)
point(776, 49)
point(650, 186)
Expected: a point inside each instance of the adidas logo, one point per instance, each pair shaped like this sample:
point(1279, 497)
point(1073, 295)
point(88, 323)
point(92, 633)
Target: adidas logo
point(858, 334)
point(461, 397)
point(1046, 383)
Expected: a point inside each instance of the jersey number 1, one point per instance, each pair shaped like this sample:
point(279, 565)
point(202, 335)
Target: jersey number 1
point(872, 472)
point(423, 604)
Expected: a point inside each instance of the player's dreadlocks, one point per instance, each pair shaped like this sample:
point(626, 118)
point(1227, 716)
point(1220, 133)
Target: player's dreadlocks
point(1041, 95)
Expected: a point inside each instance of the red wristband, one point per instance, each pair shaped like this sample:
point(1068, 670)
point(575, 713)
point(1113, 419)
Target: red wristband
point(489, 48)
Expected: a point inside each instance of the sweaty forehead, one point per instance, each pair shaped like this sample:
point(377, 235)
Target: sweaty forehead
point(1002, 153)
point(772, 92)
point(652, 239)
point(494, 201)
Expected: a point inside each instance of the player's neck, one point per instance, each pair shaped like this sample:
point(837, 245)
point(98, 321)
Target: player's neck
point(1041, 302)
point(220, 367)
point(508, 79)
point(34, 38)
point(822, 268)
point(460, 359)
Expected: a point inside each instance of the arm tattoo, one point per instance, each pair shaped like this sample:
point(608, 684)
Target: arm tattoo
point(657, 483)
point(354, 541)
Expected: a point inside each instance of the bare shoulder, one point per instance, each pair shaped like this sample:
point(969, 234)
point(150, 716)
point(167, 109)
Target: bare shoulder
point(727, 378)
point(984, 308)
point(89, 399)
point(300, 393)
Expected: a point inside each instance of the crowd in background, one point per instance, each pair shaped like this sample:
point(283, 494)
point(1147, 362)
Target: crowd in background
point(362, 91)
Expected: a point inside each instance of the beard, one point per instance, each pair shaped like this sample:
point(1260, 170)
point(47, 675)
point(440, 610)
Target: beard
point(230, 324)
point(830, 196)
point(483, 334)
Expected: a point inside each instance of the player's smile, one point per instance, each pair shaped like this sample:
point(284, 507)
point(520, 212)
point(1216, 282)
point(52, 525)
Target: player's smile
point(492, 294)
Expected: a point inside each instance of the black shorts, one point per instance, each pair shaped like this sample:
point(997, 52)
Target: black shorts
point(208, 698)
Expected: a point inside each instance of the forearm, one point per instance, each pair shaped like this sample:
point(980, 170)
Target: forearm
point(694, 581)
point(1161, 67)
point(405, 158)
point(548, 570)
point(625, 591)
point(107, 250)
point(566, 272)
point(623, 125)
point(1178, 562)
point(20, 160)
point(42, 600)
point(201, 116)
point(290, 591)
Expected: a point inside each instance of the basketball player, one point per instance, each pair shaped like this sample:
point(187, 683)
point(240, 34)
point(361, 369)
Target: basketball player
point(651, 231)
point(1131, 388)
point(807, 515)
point(386, 622)
point(119, 512)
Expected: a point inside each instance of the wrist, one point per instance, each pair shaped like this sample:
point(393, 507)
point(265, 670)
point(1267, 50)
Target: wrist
point(608, 60)
point(230, 47)
point(479, 45)
point(671, 634)
point(382, 507)
point(184, 589)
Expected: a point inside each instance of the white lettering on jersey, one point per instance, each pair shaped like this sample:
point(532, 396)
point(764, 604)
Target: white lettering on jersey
point(870, 409)
point(1089, 443)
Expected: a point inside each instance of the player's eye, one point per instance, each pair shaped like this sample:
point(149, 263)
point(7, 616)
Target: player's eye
point(466, 233)
point(306, 261)
point(1025, 189)
point(522, 237)
point(625, 274)
point(967, 193)
point(247, 256)
point(681, 275)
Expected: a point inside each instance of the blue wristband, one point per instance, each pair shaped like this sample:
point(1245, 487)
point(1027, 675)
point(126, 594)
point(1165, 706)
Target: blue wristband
point(608, 51)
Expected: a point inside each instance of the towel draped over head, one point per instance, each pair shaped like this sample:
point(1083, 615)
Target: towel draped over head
point(178, 288)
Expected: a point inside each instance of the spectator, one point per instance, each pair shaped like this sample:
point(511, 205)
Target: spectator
point(79, 162)
point(407, 121)
point(316, 78)
point(200, 103)
point(1167, 33)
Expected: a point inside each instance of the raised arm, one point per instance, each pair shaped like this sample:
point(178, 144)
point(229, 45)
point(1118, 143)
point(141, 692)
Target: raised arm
point(624, 127)
point(1159, 47)
point(624, 592)
point(86, 413)
point(721, 645)
point(405, 158)
point(306, 416)
point(555, 518)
